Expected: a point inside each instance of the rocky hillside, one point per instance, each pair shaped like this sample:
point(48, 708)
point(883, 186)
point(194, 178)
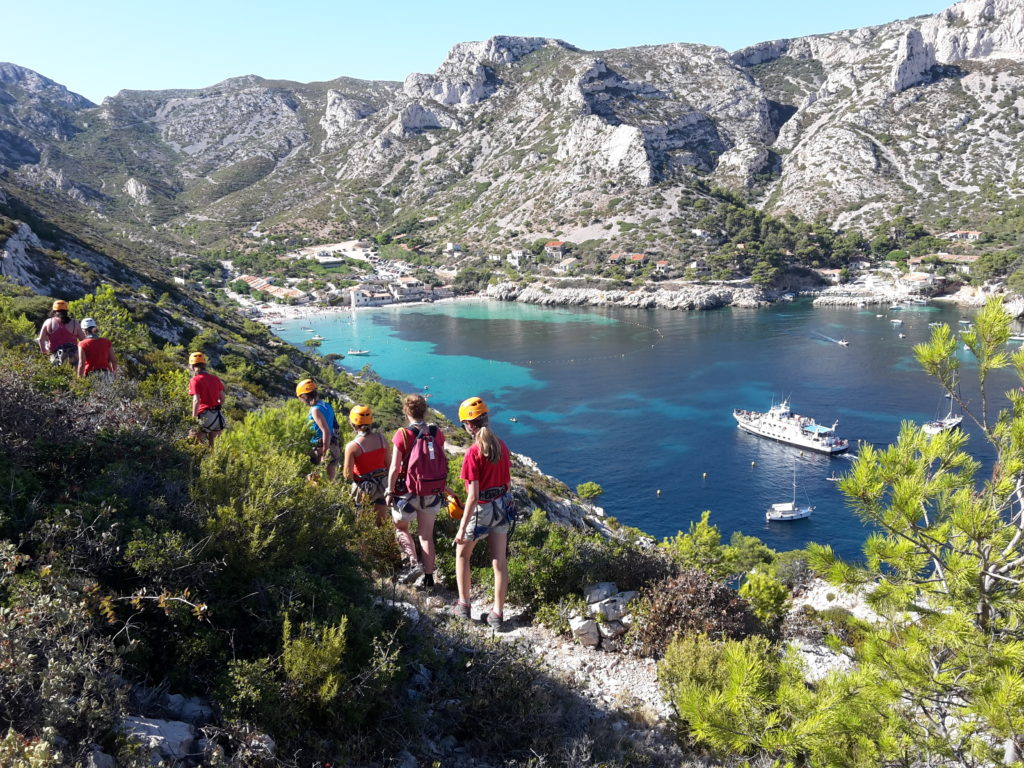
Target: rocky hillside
point(522, 137)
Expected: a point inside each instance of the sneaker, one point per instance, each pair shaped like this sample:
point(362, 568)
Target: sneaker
point(495, 620)
point(410, 574)
point(428, 581)
point(459, 611)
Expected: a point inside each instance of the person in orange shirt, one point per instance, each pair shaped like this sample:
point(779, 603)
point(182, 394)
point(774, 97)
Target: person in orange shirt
point(95, 352)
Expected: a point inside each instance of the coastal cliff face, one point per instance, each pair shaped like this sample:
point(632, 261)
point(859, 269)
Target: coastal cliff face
point(682, 297)
point(517, 137)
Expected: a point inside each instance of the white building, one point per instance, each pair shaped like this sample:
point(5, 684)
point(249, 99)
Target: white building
point(565, 265)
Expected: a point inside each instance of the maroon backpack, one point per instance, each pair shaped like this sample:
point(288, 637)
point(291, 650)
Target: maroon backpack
point(426, 464)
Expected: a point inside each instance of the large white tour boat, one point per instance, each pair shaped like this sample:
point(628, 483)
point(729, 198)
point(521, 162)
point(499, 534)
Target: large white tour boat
point(780, 423)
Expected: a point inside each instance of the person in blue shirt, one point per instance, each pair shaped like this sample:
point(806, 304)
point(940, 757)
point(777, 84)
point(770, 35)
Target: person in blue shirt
point(322, 422)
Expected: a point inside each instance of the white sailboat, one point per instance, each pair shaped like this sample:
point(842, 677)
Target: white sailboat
point(945, 423)
point(788, 510)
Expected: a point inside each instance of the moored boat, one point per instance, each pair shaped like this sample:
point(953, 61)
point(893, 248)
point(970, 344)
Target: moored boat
point(788, 510)
point(780, 423)
point(358, 352)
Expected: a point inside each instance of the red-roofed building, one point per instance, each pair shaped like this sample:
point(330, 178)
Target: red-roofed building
point(616, 258)
point(661, 267)
point(554, 247)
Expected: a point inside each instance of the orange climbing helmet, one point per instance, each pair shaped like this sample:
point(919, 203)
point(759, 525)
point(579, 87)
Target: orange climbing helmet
point(455, 508)
point(197, 358)
point(360, 415)
point(471, 409)
point(60, 304)
point(304, 387)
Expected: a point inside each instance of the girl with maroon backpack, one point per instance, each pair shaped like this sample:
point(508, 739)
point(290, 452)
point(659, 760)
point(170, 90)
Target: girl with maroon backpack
point(416, 485)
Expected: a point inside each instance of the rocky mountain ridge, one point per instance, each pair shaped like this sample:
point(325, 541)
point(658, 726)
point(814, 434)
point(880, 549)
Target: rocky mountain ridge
point(518, 137)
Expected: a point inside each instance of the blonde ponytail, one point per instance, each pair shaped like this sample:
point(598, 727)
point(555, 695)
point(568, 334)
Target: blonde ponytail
point(487, 442)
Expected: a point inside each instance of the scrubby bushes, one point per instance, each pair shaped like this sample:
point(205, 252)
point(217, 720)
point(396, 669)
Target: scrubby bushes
point(690, 603)
point(550, 561)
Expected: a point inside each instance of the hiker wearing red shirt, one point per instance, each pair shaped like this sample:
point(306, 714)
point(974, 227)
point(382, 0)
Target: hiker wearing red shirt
point(416, 484)
point(60, 335)
point(207, 393)
point(95, 352)
point(490, 510)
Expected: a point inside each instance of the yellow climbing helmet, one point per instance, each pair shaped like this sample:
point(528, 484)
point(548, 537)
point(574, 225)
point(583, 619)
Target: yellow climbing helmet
point(304, 387)
point(196, 358)
point(60, 304)
point(473, 408)
point(360, 415)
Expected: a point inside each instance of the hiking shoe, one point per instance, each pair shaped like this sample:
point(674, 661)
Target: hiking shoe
point(410, 574)
point(495, 620)
point(428, 581)
point(459, 611)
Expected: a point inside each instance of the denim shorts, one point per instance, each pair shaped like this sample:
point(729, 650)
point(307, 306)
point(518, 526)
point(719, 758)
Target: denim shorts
point(491, 517)
point(406, 508)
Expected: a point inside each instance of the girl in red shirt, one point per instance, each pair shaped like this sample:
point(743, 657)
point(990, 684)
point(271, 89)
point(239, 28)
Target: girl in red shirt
point(490, 510)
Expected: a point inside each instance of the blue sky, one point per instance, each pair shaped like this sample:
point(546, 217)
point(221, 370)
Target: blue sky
point(97, 48)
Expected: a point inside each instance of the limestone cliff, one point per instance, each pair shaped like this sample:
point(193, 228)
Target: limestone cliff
point(530, 136)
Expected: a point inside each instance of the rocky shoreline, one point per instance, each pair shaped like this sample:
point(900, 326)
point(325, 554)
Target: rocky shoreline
point(702, 296)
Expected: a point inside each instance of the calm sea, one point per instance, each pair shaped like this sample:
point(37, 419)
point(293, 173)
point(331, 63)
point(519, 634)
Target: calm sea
point(641, 401)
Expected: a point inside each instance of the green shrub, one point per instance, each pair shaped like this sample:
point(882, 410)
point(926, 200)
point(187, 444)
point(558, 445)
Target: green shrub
point(685, 604)
point(767, 596)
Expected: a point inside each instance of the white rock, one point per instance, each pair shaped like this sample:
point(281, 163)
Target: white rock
point(585, 631)
point(170, 739)
point(595, 593)
point(613, 609)
point(611, 628)
point(820, 660)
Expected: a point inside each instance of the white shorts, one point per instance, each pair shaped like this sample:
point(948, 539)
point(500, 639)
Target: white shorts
point(406, 508)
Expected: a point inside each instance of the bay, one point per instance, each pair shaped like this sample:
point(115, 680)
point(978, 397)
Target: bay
point(641, 401)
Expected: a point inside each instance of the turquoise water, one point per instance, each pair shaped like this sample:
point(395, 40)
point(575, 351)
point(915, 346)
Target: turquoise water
point(642, 400)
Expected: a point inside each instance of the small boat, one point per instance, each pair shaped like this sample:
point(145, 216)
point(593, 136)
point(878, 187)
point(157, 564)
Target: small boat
point(317, 337)
point(902, 335)
point(308, 330)
point(358, 352)
point(879, 315)
point(788, 510)
point(1016, 337)
point(895, 308)
point(833, 478)
point(513, 419)
point(843, 343)
point(946, 423)
point(896, 321)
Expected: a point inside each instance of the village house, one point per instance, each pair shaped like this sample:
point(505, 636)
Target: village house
point(700, 267)
point(635, 262)
point(495, 257)
point(554, 248)
point(617, 259)
point(565, 265)
point(962, 234)
point(661, 267)
point(368, 295)
point(961, 261)
point(452, 248)
point(408, 289)
point(518, 257)
point(829, 275)
point(919, 282)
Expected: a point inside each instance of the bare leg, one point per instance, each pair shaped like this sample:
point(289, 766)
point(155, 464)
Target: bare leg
point(463, 553)
point(425, 525)
point(499, 561)
point(405, 542)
